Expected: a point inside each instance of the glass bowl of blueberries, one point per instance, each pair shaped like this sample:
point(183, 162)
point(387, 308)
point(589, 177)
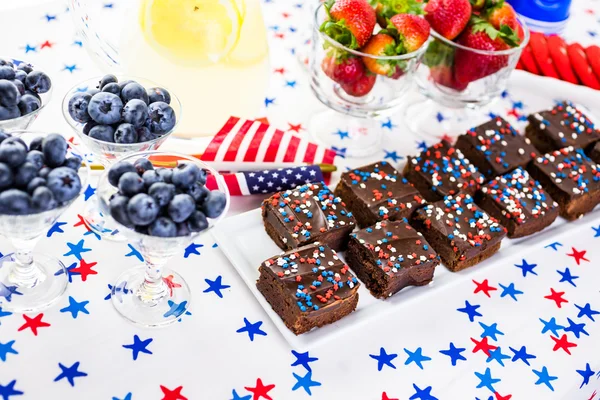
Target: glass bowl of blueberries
point(160, 201)
point(24, 92)
point(41, 175)
point(116, 116)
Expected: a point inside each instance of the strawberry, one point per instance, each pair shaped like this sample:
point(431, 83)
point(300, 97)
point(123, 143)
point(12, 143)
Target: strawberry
point(362, 86)
point(343, 69)
point(382, 44)
point(412, 31)
point(386, 9)
point(477, 4)
point(503, 14)
point(439, 57)
point(448, 17)
point(350, 23)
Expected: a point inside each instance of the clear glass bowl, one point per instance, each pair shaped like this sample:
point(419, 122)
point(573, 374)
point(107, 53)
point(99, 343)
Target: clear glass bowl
point(152, 295)
point(355, 117)
point(30, 282)
point(25, 121)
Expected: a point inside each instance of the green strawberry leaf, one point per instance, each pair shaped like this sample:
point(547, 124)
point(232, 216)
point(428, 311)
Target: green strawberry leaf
point(510, 36)
point(394, 7)
point(339, 32)
point(439, 53)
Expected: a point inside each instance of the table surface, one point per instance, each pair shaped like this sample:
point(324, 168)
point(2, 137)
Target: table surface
point(227, 348)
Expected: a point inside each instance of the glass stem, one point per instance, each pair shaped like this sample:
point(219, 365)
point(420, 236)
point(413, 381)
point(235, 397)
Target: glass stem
point(153, 289)
point(24, 273)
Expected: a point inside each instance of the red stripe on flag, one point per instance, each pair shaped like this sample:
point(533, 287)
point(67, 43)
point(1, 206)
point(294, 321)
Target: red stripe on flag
point(290, 153)
point(213, 147)
point(273, 146)
point(329, 156)
point(234, 146)
point(231, 182)
point(311, 150)
point(252, 150)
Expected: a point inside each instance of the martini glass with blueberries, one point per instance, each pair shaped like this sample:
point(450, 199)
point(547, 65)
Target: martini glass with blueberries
point(41, 175)
point(160, 201)
point(117, 116)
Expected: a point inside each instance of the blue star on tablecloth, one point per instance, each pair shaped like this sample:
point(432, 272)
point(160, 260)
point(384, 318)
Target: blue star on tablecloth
point(4, 314)
point(522, 355)
point(490, 330)
point(392, 155)
point(566, 276)
point(596, 231)
point(497, 355)
point(128, 396)
point(440, 117)
point(70, 273)
point(303, 359)
point(76, 249)
point(138, 346)
point(215, 286)
point(75, 307)
point(454, 353)
point(29, 48)
point(70, 373)
point(252, 329)
point(8, 291)
point(422, 145)
point(89, 192)
point(383, 358)
point(192, 249)
point(486, 380)
point(526, 268)
point(342, 134)
point(7, 348)
point(269, 101)
point(134, 253)
point(388, 124)
point(9, 390)
point(56, 228)
point(416, 356)
point(176, 309)
point(577, 329)
point(70, 67)
point(422, 394)
point(118, 291)
point(305, 382)
point(551, 326)
point(544, 377)
point(586, 374)
point(585, 311)
point(554, 246)
point(470, 310)
point(238, 397)
point(510, 290)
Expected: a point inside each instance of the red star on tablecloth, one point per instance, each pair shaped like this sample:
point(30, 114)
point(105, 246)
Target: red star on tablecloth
point(483, 287)
point(170, 284)
point(81, 222)
point(593, 395)
point(260, 390)
point(483, 345)
point(279, 35)
point(562, 343)
point(384, 396)
point(174, 394)
point(85, 269)
point(578, 255)
point(279, 71)
point(33, 323)
point(285, 15)
point(557, 297)
point(500, 397)
point(46, 44)
point(513, 112)
point(295, 128)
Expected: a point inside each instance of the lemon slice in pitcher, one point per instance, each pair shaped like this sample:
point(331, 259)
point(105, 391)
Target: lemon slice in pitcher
point(192, 32)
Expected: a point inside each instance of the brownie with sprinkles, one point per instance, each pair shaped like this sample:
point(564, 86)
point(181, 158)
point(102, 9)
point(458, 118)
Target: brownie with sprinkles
point(594, 153)
point(307, 214)
point(308, 287)
point(390, 256)
point(459, 231)
point(442, 170)
point(378, 192)
point(496, 148)
point(518, 202)
point(562, 126)
point(571, 178)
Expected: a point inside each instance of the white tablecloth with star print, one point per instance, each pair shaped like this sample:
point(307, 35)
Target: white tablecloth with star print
point(526, 329)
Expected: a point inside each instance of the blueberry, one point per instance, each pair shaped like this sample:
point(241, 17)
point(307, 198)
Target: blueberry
point(144, 134)
point(185, 174)
point(28, 104)
point(38, 82)
point(142, 165)
point(64, 184)
point(88, 127)
point(6, 176)
point(36, 143)
point(24, 174)
point(36, 158)
point(135, 112)
point(5, 62)
point(12, 152)
point(73, 162)
point(93, 91)
point(43, 199)
point(162, 192)
point(112, 88)
point(117, 170)
point(11, 112)
point(130, 184)
point(161, 117)
point(142, 209)
point(105, 108)
point(125, 134)
point(54, 147)
point(214, 204)
point(25, 67)
point(15, 202)
point(19, 85)
point(78, 107)
point(35, 183)
point(16, 139)
point(201, 177)
point(183, 229)
point(107, 79)
point(181, 207)
point(118, 210)
point(7, 73)
point(197, 221)
point(44, 172)
point(9, 94)
point(122, 84)
point(20, 75)
point(104, 133)
point(132, 91)
point(165, 174)
point(198, 192)
point(158, 94)
point(163, 227)
point(151, 177)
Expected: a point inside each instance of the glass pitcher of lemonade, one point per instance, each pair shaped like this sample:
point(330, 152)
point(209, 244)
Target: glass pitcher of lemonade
point(212, 54)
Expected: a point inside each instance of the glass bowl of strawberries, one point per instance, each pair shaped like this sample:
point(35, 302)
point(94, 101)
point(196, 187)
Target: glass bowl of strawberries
point(474, 48)
point(361, 71)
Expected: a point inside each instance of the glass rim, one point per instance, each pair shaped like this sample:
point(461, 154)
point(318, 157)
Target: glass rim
point(72, 123)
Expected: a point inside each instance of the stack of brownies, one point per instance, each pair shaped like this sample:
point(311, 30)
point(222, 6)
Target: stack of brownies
point(451, 203)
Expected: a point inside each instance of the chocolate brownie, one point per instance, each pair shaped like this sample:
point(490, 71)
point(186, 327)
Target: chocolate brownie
point(308, 287)
point(571, 178)
point(594, 153)
point(307, 214)
point(496, 148)
point(562, 126)
point(389, 256)
point(442, 170)
point(461, 232)
point(378, 192)
point(518, 202)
